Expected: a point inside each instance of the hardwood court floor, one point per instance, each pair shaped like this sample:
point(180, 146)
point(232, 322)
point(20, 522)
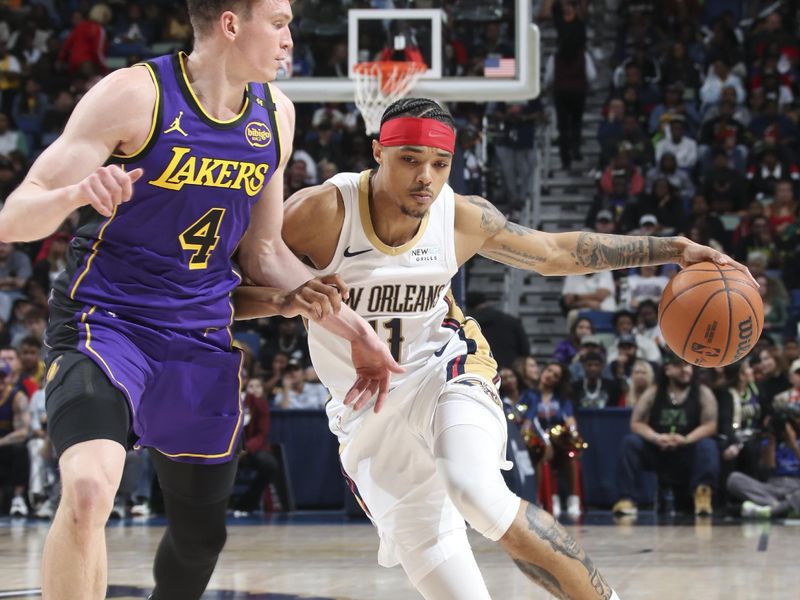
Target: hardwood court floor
point(330, 558)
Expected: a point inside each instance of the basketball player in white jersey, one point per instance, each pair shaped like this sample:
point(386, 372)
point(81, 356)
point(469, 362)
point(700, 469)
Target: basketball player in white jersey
point(432, 457)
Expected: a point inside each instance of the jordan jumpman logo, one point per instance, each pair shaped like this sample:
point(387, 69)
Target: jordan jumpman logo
point(176, 125)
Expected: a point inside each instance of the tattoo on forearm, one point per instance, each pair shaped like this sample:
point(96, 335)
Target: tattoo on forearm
point(543, 577)
point(546, 528)
point(600, 251)
point(492, 220)
point(517, 229)
point(518, 258)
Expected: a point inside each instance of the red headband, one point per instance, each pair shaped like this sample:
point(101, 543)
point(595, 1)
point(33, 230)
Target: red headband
point(415, 131)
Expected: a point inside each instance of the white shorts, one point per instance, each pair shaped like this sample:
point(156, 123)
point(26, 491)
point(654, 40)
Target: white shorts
point(389, 457)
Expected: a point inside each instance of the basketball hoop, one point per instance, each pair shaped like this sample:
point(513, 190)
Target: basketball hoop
point(380, 83)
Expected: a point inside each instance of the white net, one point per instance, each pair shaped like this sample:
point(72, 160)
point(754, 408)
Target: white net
point(378, 84)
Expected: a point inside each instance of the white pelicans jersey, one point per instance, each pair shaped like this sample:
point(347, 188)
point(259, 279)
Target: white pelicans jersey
point(404, 292)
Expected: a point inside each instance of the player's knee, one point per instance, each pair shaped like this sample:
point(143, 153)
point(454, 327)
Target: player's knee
point(201, 542)
point(484, 501)
point(88, 501)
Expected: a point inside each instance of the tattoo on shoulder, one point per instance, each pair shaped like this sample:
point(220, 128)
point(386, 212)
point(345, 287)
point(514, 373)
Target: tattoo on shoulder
point(492, 220)
point(548, 529)
point(601, 251)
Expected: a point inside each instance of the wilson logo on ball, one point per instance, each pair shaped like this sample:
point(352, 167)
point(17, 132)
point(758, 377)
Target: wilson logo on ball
point(746, 330)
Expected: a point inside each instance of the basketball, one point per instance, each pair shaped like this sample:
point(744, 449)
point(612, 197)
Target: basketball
point(710, 315)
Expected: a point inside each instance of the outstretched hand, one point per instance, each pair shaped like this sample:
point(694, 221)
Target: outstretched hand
point(696, 253)
point(374, 366)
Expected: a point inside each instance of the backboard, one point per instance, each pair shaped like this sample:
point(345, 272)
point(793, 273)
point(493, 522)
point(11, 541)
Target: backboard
point(500, 43)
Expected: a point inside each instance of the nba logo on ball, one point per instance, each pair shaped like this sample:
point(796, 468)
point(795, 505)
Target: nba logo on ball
point(711, 315)
point(258, 134)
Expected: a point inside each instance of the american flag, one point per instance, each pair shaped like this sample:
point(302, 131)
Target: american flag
point(500, 67)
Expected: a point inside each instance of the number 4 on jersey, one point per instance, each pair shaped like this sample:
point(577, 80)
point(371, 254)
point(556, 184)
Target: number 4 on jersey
point(202, 237)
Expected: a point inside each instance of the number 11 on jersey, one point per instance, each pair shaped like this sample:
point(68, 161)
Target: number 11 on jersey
point(395, 339)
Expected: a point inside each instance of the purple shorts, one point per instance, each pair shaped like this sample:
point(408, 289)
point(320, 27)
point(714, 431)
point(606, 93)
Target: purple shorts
point(182, 386)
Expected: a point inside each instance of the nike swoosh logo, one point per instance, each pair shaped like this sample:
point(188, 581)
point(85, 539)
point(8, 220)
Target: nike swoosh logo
point(348, 254)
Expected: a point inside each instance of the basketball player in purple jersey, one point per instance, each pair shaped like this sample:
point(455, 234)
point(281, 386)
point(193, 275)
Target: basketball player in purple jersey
point(139, 338)
point(432, 458)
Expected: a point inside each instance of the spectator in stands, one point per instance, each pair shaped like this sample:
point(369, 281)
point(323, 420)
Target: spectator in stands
point(674, 104)
point(505, 333)
point(720, 76)
point(775, 308)
point(757, 263)
point(672, 426)
point(30, 357)
point(15, 270)
point(84, 49)
point(609, 130)
point(647, 284)
point(595, 291)
point(771, 377)
point(593, 390)
point(663, 205)
point(44, 485)
point(527, 371)
point(256, 454)
point(515, 147)
point(647, 322)
point(133, 29)
point(678, 68)
point(274, 376)
point(791, 350)
point(642, 377)
point(52, 259)
point(724, 186)
point(11, 140)
point(178, 27)
point(35, 322)
point(19, 379)
point(510, 393)
point(739, 429)
point(771, 127)
point(567, 349)
point(702, 217)
point(589, 344)
point(780, 494)
point(625, 324)
point(550, 406)
point(571, 70)
point(295, 392)
point(620, 368)
point(288, 336)
point(14, 430)
point(27, 110)
point(678, 143)
point(10, 74)
point(765, 173)
point(741, 113)
point(783, 210)
point(612, 205)
point(667, 168)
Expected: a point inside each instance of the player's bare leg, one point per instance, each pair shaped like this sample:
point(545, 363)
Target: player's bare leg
point(549, 556)
point(74, 564)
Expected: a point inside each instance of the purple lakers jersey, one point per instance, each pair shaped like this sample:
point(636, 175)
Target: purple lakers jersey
point(164, 258)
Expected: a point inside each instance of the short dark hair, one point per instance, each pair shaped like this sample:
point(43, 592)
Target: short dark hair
point(202, 13)
point(31, 340)
point(418, 107)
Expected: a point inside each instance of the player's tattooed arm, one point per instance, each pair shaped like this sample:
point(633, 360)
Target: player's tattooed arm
point(600, 252)
point(542, 524)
